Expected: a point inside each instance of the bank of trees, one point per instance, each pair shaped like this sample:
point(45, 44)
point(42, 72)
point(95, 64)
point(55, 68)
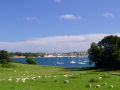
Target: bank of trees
point(106, 53)
point(39, 54)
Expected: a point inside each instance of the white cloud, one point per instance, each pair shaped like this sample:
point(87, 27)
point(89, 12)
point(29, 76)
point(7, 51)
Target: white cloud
point(54, 44)
point(57, 1)
point(108, 15)
point(36, 19)
point(70, 16)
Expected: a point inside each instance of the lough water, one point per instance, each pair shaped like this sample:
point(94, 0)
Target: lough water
point(62, 62)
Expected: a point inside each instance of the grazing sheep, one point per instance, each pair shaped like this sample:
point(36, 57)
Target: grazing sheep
point(89, 85)
point(17, 79)
point(97, 86)
point(111, 86)
point(38, 76)
point(100, 78)
point(66, 81)
point(44, 76)
point(54, 76)
point(33, 78)
point(23, 80)
point(65, 75)
point(10, 79)
point(105, 83)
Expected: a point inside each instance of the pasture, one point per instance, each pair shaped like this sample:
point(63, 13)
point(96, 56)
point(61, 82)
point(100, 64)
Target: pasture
point(35, 77)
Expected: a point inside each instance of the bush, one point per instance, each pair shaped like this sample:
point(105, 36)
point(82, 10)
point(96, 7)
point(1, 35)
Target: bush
point(31, 61)
point(94, 80)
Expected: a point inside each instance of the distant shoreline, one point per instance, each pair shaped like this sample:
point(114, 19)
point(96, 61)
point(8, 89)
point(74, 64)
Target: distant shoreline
point(47, 57)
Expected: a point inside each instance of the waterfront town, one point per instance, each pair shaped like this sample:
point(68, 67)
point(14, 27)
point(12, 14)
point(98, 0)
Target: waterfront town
point(49, 55)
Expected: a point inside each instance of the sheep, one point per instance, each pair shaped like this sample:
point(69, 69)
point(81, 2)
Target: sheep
point(17, 79)
point(65, 75)
point(10, 79)
point(66, 81)
point(111, 86)
point(44, 76)
point(38, 76)
point(105, 84)
point(100, 78)
point(23, 80)
point(55, 76)
point(33, 78)
point(97, 86)
point(89, 85)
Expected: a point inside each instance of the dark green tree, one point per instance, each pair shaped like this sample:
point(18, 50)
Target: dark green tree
point(29, 59)
point(4, 57)
point(106, 53)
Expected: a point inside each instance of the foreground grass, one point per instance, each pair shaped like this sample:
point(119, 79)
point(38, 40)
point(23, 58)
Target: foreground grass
point(51, 78)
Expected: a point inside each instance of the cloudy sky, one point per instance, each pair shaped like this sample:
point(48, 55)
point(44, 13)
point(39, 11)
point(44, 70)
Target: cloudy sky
point(56, 25)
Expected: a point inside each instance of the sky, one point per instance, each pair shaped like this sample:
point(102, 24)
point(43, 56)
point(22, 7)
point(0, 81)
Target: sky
point(56, 25)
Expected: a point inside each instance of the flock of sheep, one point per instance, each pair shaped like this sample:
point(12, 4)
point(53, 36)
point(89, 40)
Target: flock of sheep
point(98, 86)
point(32, 77)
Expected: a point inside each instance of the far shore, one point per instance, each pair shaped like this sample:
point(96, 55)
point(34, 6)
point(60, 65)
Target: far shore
point(18, 57)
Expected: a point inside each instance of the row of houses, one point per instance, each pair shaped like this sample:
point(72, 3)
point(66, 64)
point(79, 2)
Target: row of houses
point(71, 54)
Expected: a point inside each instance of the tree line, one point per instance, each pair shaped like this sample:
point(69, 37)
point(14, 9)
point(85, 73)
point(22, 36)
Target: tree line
point(12, 54)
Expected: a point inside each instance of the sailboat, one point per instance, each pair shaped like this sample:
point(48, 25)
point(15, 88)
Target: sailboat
point(72, 62)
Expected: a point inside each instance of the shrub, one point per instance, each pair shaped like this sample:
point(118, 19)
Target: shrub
point(94, 80)
point(31, 61)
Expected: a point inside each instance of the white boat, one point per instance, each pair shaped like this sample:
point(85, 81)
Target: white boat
point(60, 63)
point(72, 62)
point(85, 61)
point(81, 63)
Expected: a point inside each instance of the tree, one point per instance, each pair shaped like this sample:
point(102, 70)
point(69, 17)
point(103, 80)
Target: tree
point(29, 59)
point(28, 55)
point(4, 57)
point(106, 53)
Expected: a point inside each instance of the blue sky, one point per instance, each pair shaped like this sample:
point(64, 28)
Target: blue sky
point(42, 21)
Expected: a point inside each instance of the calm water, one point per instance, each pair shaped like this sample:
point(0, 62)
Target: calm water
point(62, 62)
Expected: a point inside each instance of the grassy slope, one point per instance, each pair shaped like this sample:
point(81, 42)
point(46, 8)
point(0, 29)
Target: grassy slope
point(78, 81)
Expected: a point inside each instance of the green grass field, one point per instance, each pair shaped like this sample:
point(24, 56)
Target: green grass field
point(31, 77)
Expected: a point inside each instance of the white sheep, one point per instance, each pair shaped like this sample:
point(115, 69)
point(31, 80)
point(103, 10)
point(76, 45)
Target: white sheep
point(97, 86)
point(66, 81)
point(23, 80)
point(17, 79)
point(65, 75)
point(38, 76)
point(10, 79)
point(100, 78)
point(55, 76)
point(111, 86)
point(105, 83)
point(89, 85)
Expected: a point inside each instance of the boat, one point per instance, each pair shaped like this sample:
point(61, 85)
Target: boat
point(59, 63)
point(72, 62)
point(81, 63)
